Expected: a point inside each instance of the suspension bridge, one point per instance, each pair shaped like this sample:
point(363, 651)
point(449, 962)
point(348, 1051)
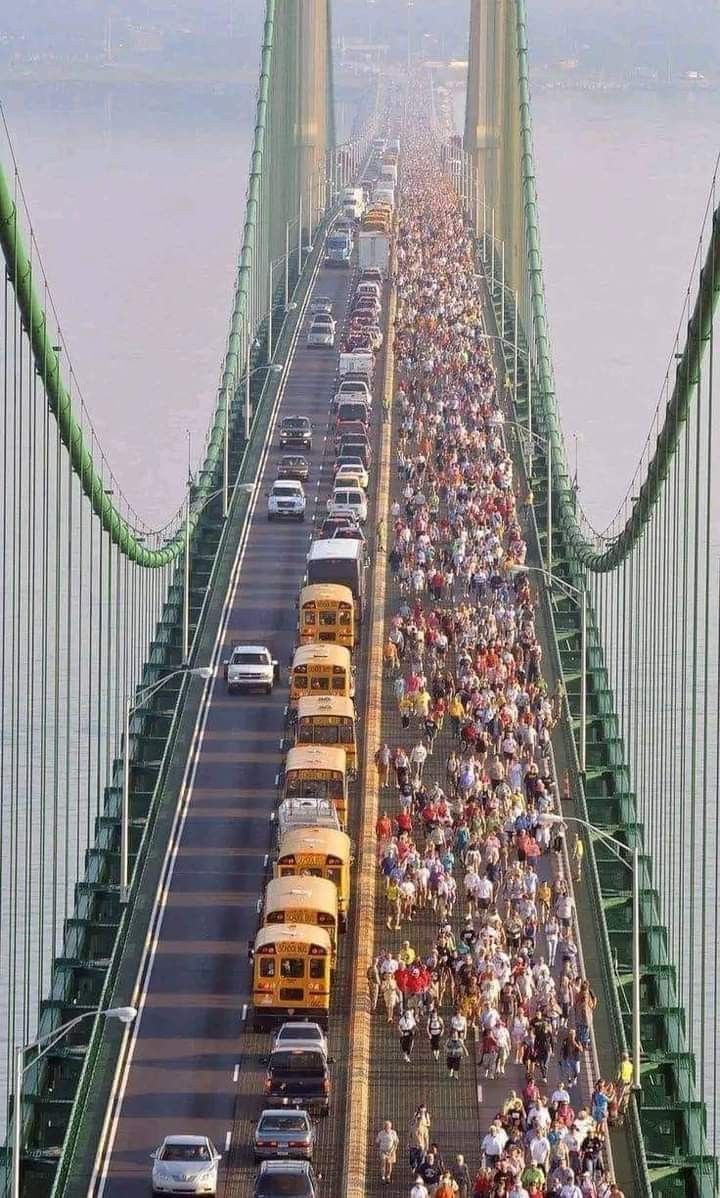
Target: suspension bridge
point(131, 863)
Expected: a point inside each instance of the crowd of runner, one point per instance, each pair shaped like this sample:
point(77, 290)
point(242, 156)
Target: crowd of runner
point(466, 831)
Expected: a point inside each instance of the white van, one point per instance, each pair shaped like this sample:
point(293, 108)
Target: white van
point(348, 500)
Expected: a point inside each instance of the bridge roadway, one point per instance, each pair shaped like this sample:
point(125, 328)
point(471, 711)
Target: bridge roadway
point(195, 1066)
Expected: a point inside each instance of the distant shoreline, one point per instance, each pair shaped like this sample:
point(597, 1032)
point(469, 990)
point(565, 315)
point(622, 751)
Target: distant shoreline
point(125, 74)
point(113, 76)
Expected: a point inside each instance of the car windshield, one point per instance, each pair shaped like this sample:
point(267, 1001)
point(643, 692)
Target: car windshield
point(281, 489)
point(275, 1185)
point(298, 1033)
point(185, 1152)
point(295, 422)
point(282, 1123)
point(249, 659)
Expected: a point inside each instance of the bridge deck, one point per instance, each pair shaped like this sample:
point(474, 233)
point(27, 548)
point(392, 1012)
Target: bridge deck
point(196, 1066)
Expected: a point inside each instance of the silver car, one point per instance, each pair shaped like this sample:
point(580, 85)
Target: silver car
point(322, 332)
point(281, 1134)
point(301, 1033)
point(185, 1165)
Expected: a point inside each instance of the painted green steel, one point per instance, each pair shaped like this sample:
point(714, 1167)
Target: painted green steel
point(47, 362)
point(584, 549)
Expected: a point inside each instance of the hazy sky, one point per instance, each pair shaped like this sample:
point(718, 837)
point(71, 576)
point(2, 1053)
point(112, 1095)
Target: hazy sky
point(606, 33)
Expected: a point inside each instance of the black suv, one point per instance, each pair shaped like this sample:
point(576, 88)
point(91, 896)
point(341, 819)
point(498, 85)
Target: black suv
point(296, 430)
point(298, 1077)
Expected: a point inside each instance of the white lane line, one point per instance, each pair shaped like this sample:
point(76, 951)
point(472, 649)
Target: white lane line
point(258, 906)
point(228, 1138)
point(277, 779)
point(480, 1095)
point(141, 988)
point(244, 1012)
point(282, 742)
point(265, 861)
point(236, 1072)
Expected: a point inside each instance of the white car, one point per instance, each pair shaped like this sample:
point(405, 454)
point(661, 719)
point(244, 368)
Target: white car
point(321, 303)
point(300, 1034)
point(286, 500)
point(185, 1165)
point(350, 500)
point(249, 666)
point(322, 332)
point(353, 389)
point(347, 474)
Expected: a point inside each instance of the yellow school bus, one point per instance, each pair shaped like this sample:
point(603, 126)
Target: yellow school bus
point(326, 720)
point(321, 670)
point(326, 613)
point(318, 853)
point(317, 771)
point(291, 974)
point(303, 900)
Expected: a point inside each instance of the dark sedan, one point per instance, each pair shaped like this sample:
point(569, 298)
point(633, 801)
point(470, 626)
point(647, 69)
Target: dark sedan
point(293, 465)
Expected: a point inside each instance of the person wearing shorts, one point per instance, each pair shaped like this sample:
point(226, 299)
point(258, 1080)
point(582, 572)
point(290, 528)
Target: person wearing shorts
point(387, 1144)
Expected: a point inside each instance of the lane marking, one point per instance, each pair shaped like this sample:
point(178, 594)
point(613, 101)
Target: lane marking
point(228, 1137)
point(277, 779)
point(265, 861)
point(236, 1073)
point(258, 906)
point(480, 1094)
point(244, 1012)
point(141, 987)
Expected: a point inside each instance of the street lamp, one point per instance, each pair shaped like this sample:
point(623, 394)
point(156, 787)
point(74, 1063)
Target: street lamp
point(130, 707)
point(48, 1041)
point(275, 262)
point(513, 345)
point(578, 596)
point(547, 446)
point(634, 854)
point(274, 368)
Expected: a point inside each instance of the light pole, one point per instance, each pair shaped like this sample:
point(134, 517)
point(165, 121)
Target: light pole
point(578, 596)
point(634, 854)
point(547, 446)
point(131, 705)
point(46, 1043)
point(276, 262)
point(513, 345)
point(272, 368)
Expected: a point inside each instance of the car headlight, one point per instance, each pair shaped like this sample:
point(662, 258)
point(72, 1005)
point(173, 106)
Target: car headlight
point(162, 1172)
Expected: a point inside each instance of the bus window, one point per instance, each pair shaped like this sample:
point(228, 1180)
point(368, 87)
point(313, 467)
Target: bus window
point(338, 684)
point(292, 967)
point(323, 684)
point(309, 618)
point(317, 969)
point(333, 873)
point(267, 967)
point(328, 619)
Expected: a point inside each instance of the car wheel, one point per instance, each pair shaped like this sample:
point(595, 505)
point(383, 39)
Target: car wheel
point(268, 689)
point(301, 516)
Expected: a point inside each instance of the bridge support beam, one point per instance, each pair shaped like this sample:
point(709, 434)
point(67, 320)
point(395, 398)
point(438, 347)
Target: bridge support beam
point(313, 132)
point(492, 126)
